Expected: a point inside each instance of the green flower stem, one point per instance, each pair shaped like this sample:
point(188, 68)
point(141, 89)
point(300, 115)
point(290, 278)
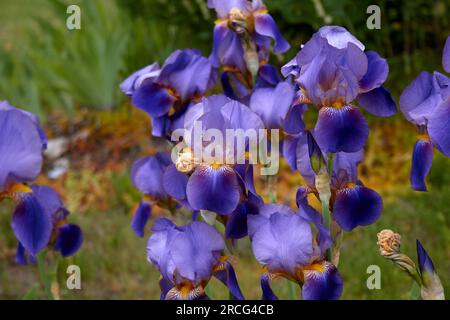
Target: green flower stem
point(45, 277)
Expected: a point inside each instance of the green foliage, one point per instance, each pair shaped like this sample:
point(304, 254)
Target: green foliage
point(84, 63)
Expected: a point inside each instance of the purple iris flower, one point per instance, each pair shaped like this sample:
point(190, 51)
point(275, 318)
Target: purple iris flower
point(64, 237)
point(426, 103)
point(187, 257)
point(217, 186)
point(283, 241)
point(21, 145)
point(165, 93)
point(332, 70)
point(241, 22)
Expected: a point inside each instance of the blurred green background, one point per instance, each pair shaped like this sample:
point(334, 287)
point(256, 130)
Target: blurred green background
point(70, 79)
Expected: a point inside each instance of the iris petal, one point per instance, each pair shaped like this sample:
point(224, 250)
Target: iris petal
point(228, 277)
point(268, 76)
point(69, 239)
point(425, 263)
point(343, 129)
point(356, 206)
point(266, 26)
point(273, 104)
point(228, 48)
point(421, 163)
point(195, 251)
point(21, 255)
point(147, 174)
point(140, 218)
point(20, 148)
point(312, 215)
point(31, 223)
point(439, 127)
point(378, 102)
point(377, 72)
point(282, 242)
point(175, 182)
point(267, 293)
point(325, 284)
point(188, 73)
point(153, 99)
point(420, 98)
point(213, 189)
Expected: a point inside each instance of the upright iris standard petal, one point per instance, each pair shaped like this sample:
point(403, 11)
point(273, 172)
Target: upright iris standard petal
point(345, 167)
point(439, 127)
point(196, 250)
point(420, 98)
point(323, 282)
point(343, 129)
point(133, 82)
point(266, 26)
point(147, 175)
point(282, 241)
point(188, 73)
point(153, 99)
point(31, 223)
point(421, 163)
point(69, 239)
point(378, 102)
point(141, 217)
point(356, 206)
point(339, 37)
point(227, 48)
point(20, 148)
point(446, 56)
point(223, 8)
point(273, 105)
point(213, 189)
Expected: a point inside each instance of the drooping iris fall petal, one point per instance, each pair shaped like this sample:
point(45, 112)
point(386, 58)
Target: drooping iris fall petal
point(213, 189)
point(356, 206)
point(322, 283)
point(422, 159)
point(31, 223)
point(341, 129)
point(140, 218)
point(266, 26)
point(69, 239)
point(378, 102)
point(153, 99)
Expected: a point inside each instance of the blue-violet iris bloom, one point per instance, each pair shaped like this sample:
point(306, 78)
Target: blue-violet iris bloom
point(283, 241)
point(165, 93)
point(187, 257)
point(332, 70)
point(426, 103)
